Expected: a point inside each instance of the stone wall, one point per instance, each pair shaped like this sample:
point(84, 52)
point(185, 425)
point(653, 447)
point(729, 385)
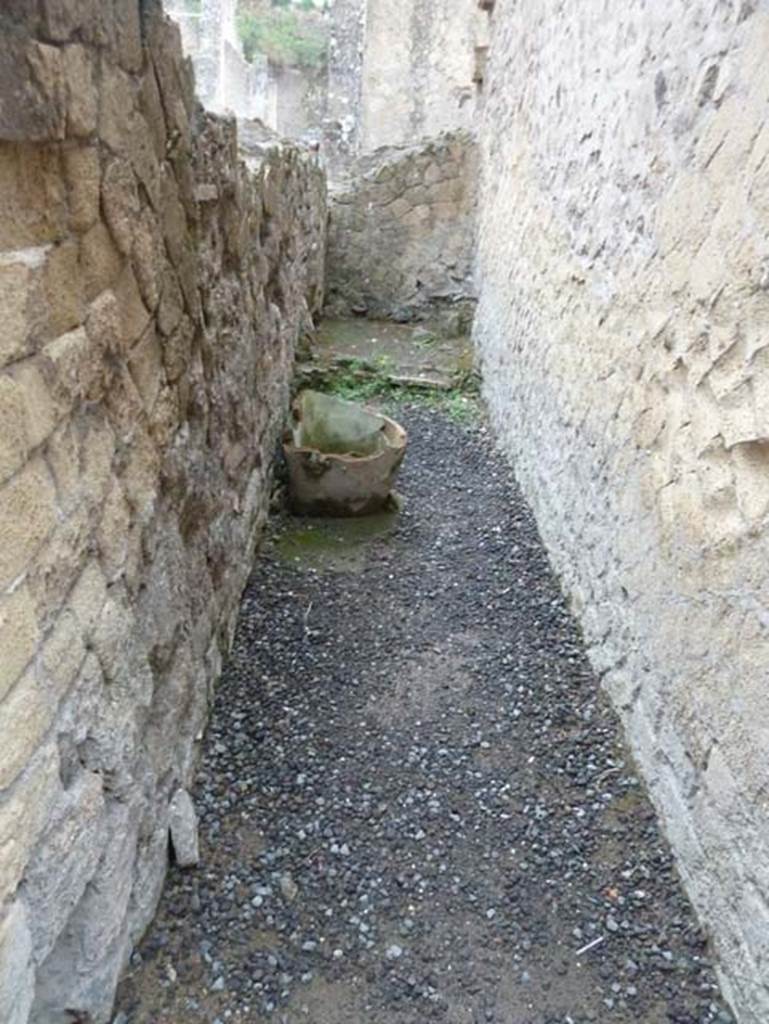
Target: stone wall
point(151, 291)
point(623, 311)
point(401, 230)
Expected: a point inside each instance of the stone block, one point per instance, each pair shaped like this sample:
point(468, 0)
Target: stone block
point(38, 215)
point(26, 713)
point(144, 159)
point(17, 972)
point(26, 415)
point(19, 636)
point(738, 416)
point(97, 456)
point(63, 284)
point(171, 305)
point(21, 277)
point(166, 416)
point(13, 432)
point(39, 412)
point(183, 827)
point(103, 326)
point(88, 597)
point(140, 476)
point(114, 745)
point(151, 107)
point(113, 536)
point(82, 170)
point(400, 208)
point(73, 369)
point(126, 27)
point(120, 199)
point(100, 261)
point(175, 229)
point(63, 21)
point(24, 811)
point(124, 407)
point(148, 258)
point(63, 458)
point(61, 656)
point(206, 192)
point(27, 516)
point(81, 103)
point(151, 866)
point(122, 656)
point(82, 970)
point(189, 279)
point(133, 313)
point(59, 563)
point(66, 860)
point(751, 461)
point(146, 368)
point(80, 708)
point(117, 106)
point(177, 350)
point(174, 79)
point(33, 107)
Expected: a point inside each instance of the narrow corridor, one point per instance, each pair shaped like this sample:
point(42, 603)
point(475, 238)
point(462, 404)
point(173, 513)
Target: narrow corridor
point(415, 801)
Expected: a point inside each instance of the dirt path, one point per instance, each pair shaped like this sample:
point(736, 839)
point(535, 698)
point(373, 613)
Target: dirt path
point(415, 801)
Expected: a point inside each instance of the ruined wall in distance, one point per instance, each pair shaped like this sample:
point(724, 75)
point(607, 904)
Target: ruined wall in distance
point(418, 71)
point(226, 83)
point(623, 328)
point(399, 71)
point(152, 288)
point(401, 230)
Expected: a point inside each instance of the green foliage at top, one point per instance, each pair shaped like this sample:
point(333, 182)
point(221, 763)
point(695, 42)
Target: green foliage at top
point(285, 34)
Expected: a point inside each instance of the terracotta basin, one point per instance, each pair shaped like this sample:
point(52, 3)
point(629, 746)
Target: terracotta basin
point(338, 482)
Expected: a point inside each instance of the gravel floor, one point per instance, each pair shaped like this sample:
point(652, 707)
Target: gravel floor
point(415, 802)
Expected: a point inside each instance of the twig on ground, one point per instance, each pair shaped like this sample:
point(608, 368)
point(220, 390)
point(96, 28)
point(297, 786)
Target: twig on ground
point(590, 945)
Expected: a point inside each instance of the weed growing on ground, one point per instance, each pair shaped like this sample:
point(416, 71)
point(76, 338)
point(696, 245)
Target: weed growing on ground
point(426, 340)
point(360, 381)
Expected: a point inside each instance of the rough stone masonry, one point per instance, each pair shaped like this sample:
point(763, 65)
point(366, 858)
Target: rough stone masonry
point(152, 287)
point(402, 230)
point(623, 325)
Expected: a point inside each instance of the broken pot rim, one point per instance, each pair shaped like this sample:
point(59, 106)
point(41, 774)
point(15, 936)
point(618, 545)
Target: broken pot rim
point(400, 443)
